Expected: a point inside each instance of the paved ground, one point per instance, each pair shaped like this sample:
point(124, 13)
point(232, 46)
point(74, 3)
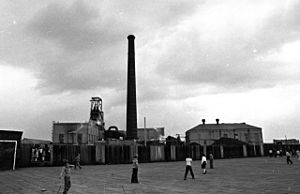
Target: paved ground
point(245, 175)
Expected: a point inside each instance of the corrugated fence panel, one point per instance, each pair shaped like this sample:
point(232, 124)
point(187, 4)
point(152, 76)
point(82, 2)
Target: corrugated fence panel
point(157, 153)
point(116, 154)
point(173, 152)
point(25, 155)
point(144, 154)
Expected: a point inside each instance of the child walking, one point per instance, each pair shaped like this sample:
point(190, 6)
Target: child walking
point(203, 163)
point(188, 167)
point(288, 158)
point(66, 173)
point(134, 176)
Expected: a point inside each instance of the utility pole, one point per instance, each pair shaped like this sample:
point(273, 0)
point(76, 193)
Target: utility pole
point(145, 137)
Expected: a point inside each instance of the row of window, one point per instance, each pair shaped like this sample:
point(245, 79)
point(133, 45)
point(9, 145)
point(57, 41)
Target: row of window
point(92, 138)
point(61, 138)
point(256, 136)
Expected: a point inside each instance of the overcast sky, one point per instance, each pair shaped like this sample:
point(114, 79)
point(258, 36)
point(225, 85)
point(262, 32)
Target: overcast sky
point(233, 60)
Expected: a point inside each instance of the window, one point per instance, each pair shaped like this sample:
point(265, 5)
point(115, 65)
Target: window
point(236, 136)
point(246, 137)
point(61, 138)
point(79, 138)
point(256, 136)
point(225, 135)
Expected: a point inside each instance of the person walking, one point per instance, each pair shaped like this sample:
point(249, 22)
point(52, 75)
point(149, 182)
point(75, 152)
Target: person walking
point(203, 164)
point(188, 167)
point(134, 176)
point(77, 161)
point(211, 160)
point(288, 158)
point(66, 173)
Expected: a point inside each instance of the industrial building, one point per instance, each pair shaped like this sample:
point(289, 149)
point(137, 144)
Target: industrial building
point(94, 130)
point(81, 132)
point(286, 141)
point(150, 134)
point(207, 134)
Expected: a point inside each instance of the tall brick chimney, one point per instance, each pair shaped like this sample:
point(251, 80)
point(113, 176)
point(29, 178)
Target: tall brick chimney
point(131, 114)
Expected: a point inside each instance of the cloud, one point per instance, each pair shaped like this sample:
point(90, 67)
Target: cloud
point(83, 45)
point(75, 27)
point(194, 60)
point(281, 27)
point(150, 15)
point(219, 49)
point(78, 73)
point(79, 49)
point(84, 25)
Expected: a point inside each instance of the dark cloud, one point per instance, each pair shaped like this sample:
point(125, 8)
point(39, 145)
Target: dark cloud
point(80, 25)
point(86, 51)
point(83, 45)
point(78, 73)
point(74, 27)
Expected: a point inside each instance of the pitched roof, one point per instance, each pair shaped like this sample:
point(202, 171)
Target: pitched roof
point(35, 141)
point(11, 130)
point(222, 126)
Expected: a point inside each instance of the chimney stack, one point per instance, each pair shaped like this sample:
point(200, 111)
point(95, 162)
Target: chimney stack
point(203, 121)
point(131, 114)
point(217, 120)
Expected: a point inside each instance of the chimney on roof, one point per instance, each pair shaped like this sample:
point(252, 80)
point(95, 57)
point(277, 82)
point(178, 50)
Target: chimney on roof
point(217, 120)
point(203, 121)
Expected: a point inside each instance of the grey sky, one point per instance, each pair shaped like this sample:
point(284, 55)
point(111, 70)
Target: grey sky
point(233, 60)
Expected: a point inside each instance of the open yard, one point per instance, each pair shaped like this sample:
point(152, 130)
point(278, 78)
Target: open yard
point(243, 175)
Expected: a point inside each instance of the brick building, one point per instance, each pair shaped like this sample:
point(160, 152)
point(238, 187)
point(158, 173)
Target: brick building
point(206, 134)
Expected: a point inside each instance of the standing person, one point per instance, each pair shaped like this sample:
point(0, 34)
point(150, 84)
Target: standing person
point(43, 154)
point(211, 160)
point(134, 176)
point(66, 173)
point(203, 163)
point(188, 167)
point(288, 158)
point(32, 154)
point(77, 161)
point(298, 154)
point(36, 152)
point(270, 153)
point(277, 153)
point(40, 153)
